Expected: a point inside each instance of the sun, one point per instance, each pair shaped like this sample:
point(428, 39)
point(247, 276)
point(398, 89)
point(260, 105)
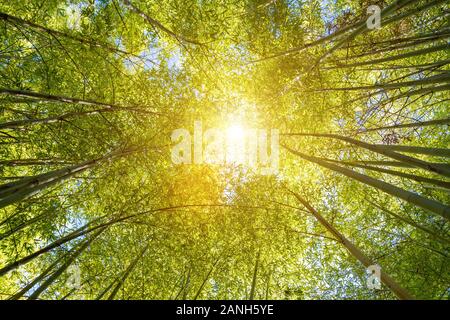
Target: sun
point(235, 133)
point(235, 144)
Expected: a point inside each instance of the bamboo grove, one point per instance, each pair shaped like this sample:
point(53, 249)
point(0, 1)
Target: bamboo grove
point(90, 91)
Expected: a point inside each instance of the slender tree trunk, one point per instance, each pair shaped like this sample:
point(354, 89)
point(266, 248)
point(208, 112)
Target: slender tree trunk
point(83, 231)
point(32, 181)
point(158, 25)
point(404, 43)
point(33, 162)
point(414, 11)
point(409, 125)
point(23, 225)
point(57, 243)
point(55, 33)
point(412, 223)
point(39, 278)
point(255, 273)
point(54, 119)
point(437, 63)
point(71, 100)
point(399, 291)
point(425, 203)
point(395, 164)
point(127, 273)
point(414, 177)
point(356, 28)
point(362, 26)
point(64, 266)
point(269, 276)
point(388, 153)
point(199, 291)
point(421, 91)
point(26, 187)
point(436, 152)
point(443, 78)
point(419, 52)
point(185, 288)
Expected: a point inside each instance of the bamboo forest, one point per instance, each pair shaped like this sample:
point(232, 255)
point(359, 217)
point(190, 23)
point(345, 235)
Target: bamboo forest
point(224, 149)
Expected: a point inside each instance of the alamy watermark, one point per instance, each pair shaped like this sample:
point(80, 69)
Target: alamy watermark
point(74, 279)
point(234, 145)
point(374, 278)
point(374, 20)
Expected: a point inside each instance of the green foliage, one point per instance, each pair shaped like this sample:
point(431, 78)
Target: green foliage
point(197, 231)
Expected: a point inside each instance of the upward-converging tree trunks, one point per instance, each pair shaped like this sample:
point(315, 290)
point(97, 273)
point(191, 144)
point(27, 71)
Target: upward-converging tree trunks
point(96, 98)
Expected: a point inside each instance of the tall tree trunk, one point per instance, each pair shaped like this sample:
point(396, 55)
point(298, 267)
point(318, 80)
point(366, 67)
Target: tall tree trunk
point(33, 162)
point(39, 278)
point(409, 125)
point(199, 291)
point(404, 43)
point(26, 187)
point(425, 203)
point(255, 273)
point(442, 78)
point(442, 47)
point(127, 273)
point(362, 26)
point(64, 266)
point(412, 223)
point(443, 184)
point(23, 225)
point(71, 100)
point(399, 291)
point(54, 119)
point(436, 152)
point(158, 25)
point(55, 244)
point(356, 28)
point(55, 33)
point(83, 231)
point(442, 170)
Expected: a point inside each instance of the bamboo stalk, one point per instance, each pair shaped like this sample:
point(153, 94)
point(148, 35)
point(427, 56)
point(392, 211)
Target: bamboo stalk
point(431, 206)
point(442, 170)
point(398, 290)
point(71, 100)
point(394, 58)
point(412, 223)
point(409, 125)
point(444, 78)
point(437, 152)
point(127, 273)
point(155, 23)
point(414, 177)
point(255, 273)
point(64, 266)
point(88, 42)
